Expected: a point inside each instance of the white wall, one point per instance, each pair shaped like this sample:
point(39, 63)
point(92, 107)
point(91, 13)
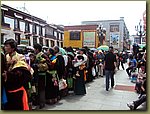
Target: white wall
point(9, 21)
point(22, 26)
point(43, 30)
point(8, 34)
point(37, 30)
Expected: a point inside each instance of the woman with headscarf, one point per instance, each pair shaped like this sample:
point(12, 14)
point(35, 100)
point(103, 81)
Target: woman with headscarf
point(52, 88)
point(60, 66)
point(17, 77)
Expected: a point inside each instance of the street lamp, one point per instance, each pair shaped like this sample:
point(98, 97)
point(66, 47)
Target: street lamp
point(138, 28)
point(101, 34)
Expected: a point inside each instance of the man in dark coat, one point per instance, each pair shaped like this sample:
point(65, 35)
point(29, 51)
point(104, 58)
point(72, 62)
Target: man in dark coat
point(110, 65)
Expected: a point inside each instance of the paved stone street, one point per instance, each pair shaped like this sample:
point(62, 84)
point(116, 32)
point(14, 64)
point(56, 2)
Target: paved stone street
point(97, 98)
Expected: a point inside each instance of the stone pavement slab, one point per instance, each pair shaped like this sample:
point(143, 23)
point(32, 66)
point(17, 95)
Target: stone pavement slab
point(97, 98)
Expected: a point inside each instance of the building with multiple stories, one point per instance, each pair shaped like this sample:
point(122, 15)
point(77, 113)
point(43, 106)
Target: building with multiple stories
point(117, 34)
point(79, 36)
point(28, 29)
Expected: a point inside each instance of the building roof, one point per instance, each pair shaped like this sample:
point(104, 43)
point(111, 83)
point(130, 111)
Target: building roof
point(101, 21)
point(81, 27)
point(23, 13)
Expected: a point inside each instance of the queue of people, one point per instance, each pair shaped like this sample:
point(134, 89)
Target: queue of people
point(41, 78)
point(44, 77)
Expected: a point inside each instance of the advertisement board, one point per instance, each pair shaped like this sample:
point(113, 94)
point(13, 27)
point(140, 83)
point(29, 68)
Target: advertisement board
point(89, 38)
point(114, 39)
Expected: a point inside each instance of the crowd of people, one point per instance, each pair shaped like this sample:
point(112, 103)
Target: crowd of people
point(45, 76)
point(137, 73)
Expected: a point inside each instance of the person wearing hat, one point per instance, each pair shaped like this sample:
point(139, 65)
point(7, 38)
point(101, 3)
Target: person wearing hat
point(110, 66)
point(17, 77)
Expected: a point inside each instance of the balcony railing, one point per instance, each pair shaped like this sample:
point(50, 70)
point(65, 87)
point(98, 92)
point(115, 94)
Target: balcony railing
point(50, 36)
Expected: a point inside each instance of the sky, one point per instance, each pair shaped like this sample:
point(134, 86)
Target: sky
point(74, 12)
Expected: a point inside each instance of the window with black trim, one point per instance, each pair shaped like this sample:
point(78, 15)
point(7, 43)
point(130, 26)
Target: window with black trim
point(61, 44)
point(75, 35)
point(52, 43)
point(40, 30)
point(47, 43)
point(114, 28)
point(61, 36)
point(34, 40)
point(57, 35)
point(2, 38)
point(16, 24)
point(41, 41)
point(57, 43)
point(34, 29)
point(27, 27)
point(2, 17)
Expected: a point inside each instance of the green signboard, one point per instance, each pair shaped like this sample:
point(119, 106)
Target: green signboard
point(89, 39)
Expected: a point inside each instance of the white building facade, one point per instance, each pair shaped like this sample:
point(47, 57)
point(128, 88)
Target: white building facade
point(27, 29)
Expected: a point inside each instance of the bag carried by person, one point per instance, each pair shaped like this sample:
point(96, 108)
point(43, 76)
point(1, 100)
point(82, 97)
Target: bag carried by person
point(70, 82)
point(62, 84)
point(93, 71)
